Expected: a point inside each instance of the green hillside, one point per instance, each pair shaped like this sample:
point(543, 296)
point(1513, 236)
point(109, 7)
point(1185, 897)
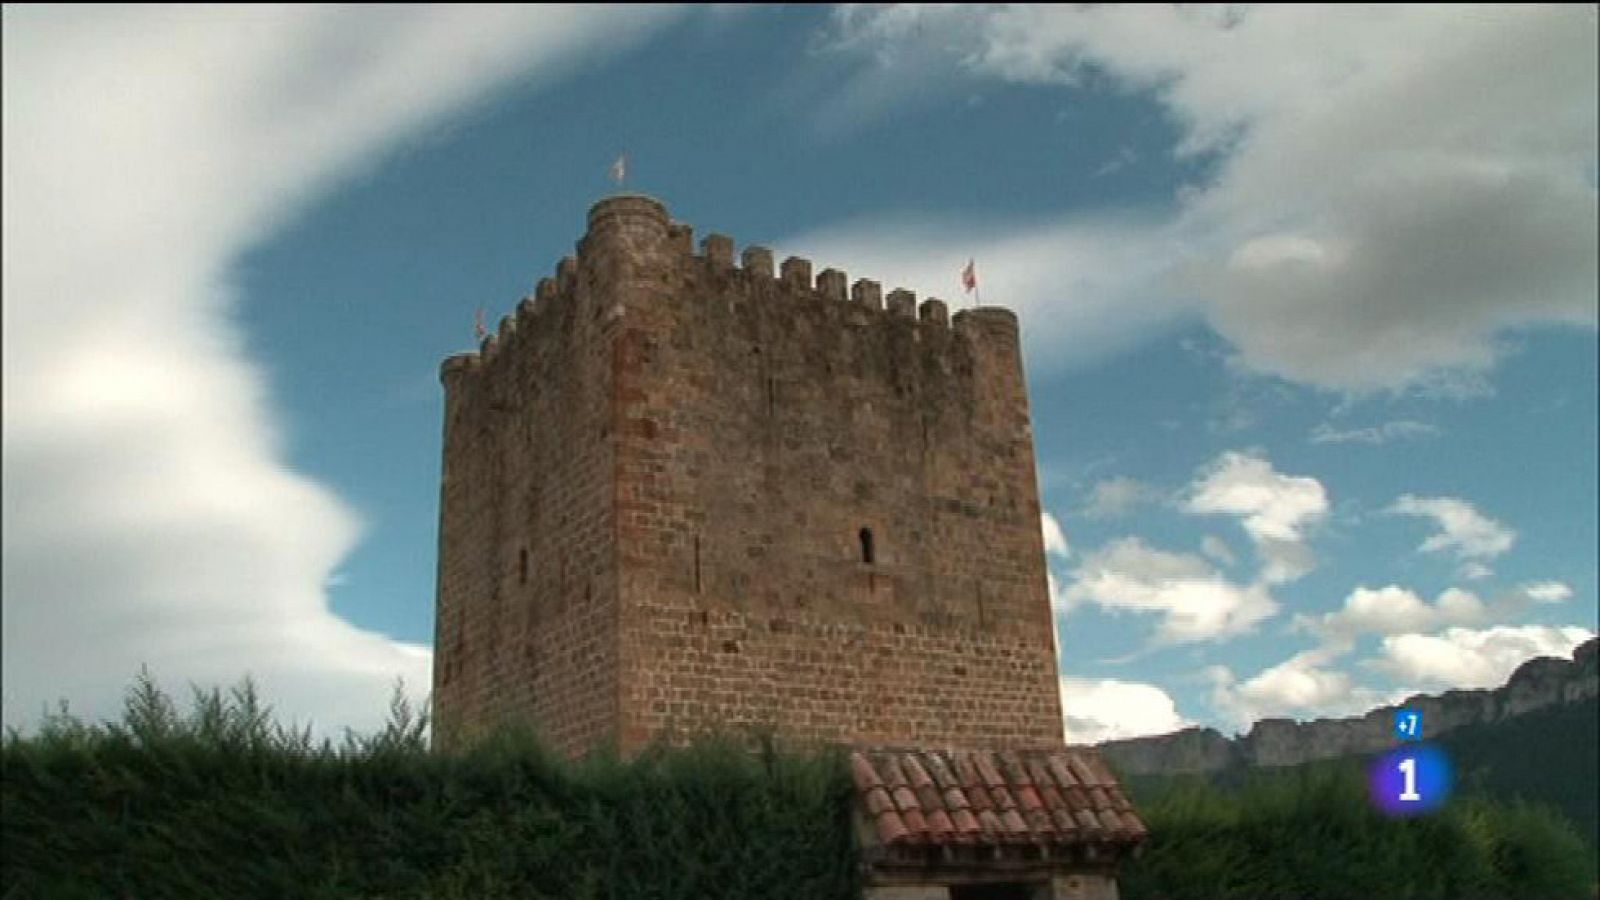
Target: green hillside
point(1525, 795)
point(1308, 832)
point(1549, 756)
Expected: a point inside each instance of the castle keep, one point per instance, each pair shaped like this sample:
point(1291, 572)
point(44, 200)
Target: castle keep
point(682, 492)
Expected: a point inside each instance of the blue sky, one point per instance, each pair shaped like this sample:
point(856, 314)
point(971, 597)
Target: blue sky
point(1308, 299)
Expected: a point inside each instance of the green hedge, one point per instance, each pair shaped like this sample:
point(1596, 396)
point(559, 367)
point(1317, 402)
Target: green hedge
point(225, 803)
point(222, 803)
point(1310, 833)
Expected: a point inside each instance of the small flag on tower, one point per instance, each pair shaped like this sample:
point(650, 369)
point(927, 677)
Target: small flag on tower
point(477, 325)
point(969, 276)
point(619, 169)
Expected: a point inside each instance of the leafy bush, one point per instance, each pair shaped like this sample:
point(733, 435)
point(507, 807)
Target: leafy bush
point(223, 802)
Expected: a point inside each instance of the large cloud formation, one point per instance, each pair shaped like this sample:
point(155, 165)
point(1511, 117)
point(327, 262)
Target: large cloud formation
point(148, 514)
point(1106, 709)
point(1395, 188)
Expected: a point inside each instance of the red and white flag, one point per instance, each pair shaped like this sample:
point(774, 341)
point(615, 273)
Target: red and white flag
point(969, 277)
point(619, 169)
point(477, 325)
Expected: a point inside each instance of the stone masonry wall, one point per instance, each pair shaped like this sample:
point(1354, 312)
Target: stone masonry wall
point(527, 608)
point(766, 423)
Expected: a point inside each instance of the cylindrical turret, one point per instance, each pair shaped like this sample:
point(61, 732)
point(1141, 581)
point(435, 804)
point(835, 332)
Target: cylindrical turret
point(637, 222)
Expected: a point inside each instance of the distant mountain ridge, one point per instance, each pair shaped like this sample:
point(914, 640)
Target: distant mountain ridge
point(1536, 684)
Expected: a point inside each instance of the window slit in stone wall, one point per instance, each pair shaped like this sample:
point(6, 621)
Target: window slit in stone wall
point(772, 396)
point(867, 555)
point(522, 566)
point(697, 588)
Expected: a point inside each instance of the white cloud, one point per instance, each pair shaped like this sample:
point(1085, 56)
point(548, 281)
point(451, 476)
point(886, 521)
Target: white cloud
point(1115, 497)
point(1389, 610)
point(1058, 595)
point(1472, 570)
point(1217, 549)
point(1458, 607)
point(1055, 541)
point(1474, 658)
point(1302, 686)
point(1105, 709)
point(1548, 591)
point(1194, 601)
point(1400, 429)
point(1103, 263)
point(1395, 186)
point(1275, 509)
point(1396, 610)
point(1470, 534)
point(149, 516)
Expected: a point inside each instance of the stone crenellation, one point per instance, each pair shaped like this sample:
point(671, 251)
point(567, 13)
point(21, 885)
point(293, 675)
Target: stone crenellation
point(680, 492)
point(756, 265)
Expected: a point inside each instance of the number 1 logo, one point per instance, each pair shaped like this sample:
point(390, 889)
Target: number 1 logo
point(1408, 768)
point(1410, 779)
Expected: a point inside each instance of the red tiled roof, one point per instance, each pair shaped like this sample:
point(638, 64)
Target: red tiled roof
point(1058, 796)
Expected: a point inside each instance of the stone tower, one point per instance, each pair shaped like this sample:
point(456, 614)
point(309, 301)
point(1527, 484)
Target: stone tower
point(680, 492)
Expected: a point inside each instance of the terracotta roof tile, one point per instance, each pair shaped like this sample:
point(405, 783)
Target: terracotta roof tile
point(914, 772)
point(1086, 820)
point(1028, 797)
point(904, 799)
point(939, 826)
point(889, 767)
point(877, 800)
point(862, 772)
point(955, 798)
point(1085, 773)
point(1038, 821)
point(941, 771)
point(890, 829)
point(1061, 817)
point(965, 823)
point(1058, 768)
point(1057, 796)
point(915, 823)
point(986, 770)
point(979, 798)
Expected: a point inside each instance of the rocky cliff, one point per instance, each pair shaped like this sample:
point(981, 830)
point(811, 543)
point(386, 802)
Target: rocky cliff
point(1535, 684)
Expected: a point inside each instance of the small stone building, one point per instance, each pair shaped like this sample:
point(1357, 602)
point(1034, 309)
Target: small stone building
point(682, 492)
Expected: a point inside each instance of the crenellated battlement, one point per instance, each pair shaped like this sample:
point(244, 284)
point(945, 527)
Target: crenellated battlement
point(633, 233)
